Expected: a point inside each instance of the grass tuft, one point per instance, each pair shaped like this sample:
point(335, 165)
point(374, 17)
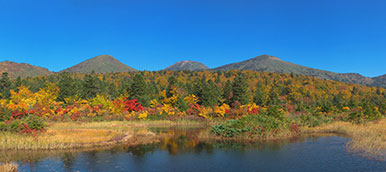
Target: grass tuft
point(8, 167)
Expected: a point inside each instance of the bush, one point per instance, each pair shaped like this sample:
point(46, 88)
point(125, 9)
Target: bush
point(35, 123)
point(3, 126)
point(362, 115)
point(27, 125)
point(313, 120)
point(254, 125)
point(275, 111)
point(15, 125)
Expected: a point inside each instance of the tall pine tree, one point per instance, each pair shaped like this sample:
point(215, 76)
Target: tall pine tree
point(227, 92)
point(91, 86)
point(240, 90)
point(138, 90)
point(5, 86)
point(66, 85)
point(260, 95)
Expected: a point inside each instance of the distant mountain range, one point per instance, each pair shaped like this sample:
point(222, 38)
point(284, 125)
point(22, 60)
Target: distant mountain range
point(269, 63)
point(187, 65)
point(266, 63)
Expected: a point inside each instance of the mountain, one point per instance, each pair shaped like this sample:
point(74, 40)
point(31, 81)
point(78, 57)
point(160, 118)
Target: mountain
point(22, 69)
point(100, 64)
point(269, 63)
point(379, 81)
point(187, 65)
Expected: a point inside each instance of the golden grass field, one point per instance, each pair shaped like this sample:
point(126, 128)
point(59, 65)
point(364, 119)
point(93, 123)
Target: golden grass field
point(8, 167)
point(368, 139)
point(83, 135)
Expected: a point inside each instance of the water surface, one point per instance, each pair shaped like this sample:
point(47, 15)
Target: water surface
point(183, 151)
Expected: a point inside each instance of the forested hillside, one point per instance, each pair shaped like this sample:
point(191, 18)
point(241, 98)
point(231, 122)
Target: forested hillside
point(293, 93)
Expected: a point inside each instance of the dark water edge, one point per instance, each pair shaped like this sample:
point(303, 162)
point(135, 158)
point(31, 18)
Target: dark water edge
point(183, 151)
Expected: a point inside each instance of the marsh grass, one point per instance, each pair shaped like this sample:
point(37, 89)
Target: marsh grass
point(369, 139)
point(82, 135)
point(8, 167)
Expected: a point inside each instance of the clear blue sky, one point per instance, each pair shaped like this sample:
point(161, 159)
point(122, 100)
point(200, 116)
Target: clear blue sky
point(334, 35)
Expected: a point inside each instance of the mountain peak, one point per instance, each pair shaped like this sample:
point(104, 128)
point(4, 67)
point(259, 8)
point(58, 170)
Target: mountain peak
point(187, 65)
point(266, 57)
point(100, 64)
point(104, 57)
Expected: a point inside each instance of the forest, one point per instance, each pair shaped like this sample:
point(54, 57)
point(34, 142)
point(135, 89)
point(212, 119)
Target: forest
point(245, 101)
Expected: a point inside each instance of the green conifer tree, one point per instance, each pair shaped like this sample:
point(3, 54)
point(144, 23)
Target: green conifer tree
point(260, 95)
point(5, 86)
point(138, 90)
point(240, 90)
point(91, 86)
point(66, 86)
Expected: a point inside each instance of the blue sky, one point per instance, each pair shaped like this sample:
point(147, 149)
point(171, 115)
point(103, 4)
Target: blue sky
point(334, 35)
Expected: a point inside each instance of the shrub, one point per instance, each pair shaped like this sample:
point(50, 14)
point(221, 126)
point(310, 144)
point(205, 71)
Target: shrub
point(254, 125)
point(35, 123)
point(3, 126)
point(275, 111)
point(313, 120)
point(27, 125)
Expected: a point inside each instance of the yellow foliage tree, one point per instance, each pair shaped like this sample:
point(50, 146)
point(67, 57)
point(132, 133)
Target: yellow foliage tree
point(47, 95)
point(191, 99)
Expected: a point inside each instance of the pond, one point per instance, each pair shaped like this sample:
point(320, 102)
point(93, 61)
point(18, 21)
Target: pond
point(181, 150)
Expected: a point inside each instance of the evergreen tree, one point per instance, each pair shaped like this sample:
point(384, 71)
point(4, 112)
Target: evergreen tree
point(18, 83)
point(197, 88)
point(153, 88)
point(274, 96)
point(240, 90)
point(91, 86)
point(227, 92)
point(138, 90)
point(112, 90)
point(206, 91)
point(66, 86)
point(124, 86)
point(217, 80)
point(211, 94)
point(172, 85)
point(181, 104)
point(5, 86)
point(260, 95)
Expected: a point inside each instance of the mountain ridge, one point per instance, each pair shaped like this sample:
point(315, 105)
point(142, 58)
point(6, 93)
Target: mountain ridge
point(23, 70)
point(266, 63)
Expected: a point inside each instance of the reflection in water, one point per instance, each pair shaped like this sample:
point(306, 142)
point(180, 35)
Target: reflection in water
point(68, 160)
point(182, 150)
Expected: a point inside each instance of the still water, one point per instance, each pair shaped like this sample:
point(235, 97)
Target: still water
point(183, 151)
